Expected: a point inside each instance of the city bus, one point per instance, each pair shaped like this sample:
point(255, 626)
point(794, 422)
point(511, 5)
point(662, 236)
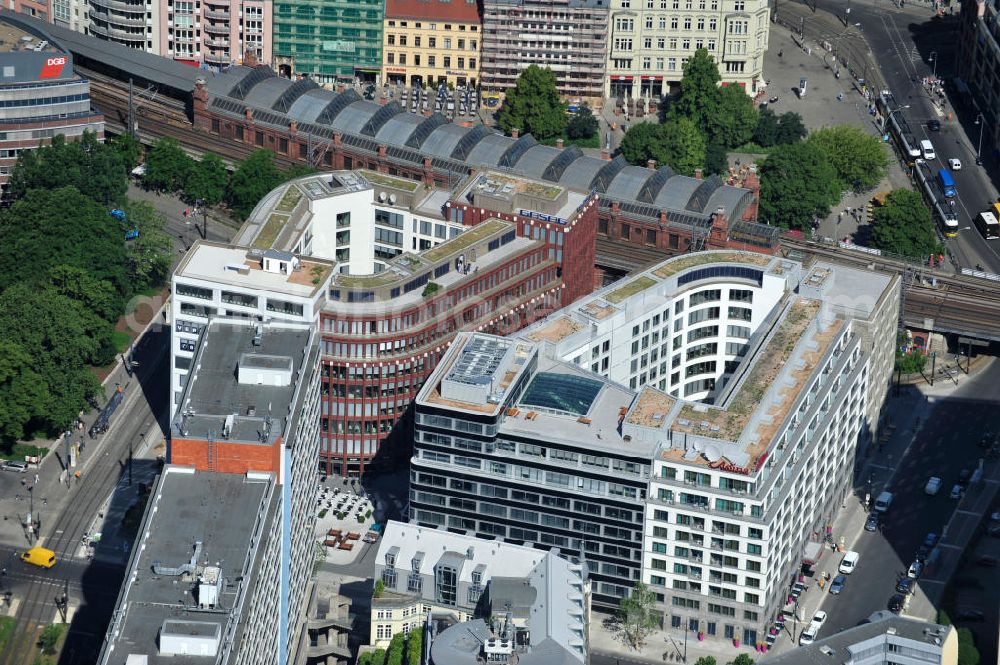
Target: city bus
point(996, 210)
point(988, 225)
point(947, 183)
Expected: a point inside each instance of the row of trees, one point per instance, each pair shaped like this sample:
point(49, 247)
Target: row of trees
point(403, 650)
point(170, 169)
point(705, 121)
point(66, 274)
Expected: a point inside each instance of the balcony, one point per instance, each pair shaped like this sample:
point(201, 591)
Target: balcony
point(218, 59)
point(214, 29)
point(116, 34)
point(221, 16)
point(217, 43)
point(116, 19)
point(118, 5)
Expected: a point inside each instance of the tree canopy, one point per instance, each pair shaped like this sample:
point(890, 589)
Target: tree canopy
point(533, 105)
point(637, 616)
point(904, 226)
point(859, 158)
point(582, 124)
point(167, 165)
point(797, 184)
point(773, 129)
point(252, 180)
point(968, 654)
point(730, 117)
point(699, 89)
point(676, 143)
point(51, 227)
point(98, 170)
point(206, 180)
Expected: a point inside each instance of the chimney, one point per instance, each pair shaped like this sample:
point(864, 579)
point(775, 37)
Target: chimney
point(514, 133)
point(697, 174)
point(248, 112)
point(293, 127)
point(650, 163)
point(559, 144)
point(605, 155)
point(200, 95)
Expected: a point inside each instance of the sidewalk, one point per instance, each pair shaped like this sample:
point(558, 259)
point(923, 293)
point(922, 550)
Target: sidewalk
point(902, 418)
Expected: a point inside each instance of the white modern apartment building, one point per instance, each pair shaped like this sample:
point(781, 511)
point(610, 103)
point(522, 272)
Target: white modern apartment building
point(789, 366)
point(650, 40)
point(432, 575)
point(281, 262)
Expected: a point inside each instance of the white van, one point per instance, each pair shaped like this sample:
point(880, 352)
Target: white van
point(849, 562)
point(883, 502)
point(808, 635)
point(933, 486)
point(927, 148)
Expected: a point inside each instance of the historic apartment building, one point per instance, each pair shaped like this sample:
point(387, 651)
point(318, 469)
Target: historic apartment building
point(41, 95)
point(567, 36)
point(978, 70)
point(650, 40)
point(329, 40)
point(525, 439)
point(390, 271)
point(216, 33)
point(433, 576)
point(435, 42)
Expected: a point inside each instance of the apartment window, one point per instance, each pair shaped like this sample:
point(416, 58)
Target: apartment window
point(626, 232)
point(431, 61)
point(390, 58)
point(674, 22)
point(432, 42)
point(416, 59)
point(739, 5)
point(647, 63)
point(445, 585)
point(402, 58)
point(447, 42)
point(391, 40)
point(402, 40)
point(447, 61)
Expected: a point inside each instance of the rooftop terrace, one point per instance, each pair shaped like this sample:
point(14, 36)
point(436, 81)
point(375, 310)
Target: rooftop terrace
point(228, 264)
point(687, 261)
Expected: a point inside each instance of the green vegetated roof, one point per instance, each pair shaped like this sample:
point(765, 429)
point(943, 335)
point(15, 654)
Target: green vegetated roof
point(389, 181)
point(366, 281)
point(767, 364)
point(630, 289)
point(540, 190)
point(466, 239)
point(701, 258)
point(269, 232)
point(289, 199)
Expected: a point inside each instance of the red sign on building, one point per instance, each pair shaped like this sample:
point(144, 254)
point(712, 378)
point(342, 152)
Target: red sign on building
point(53, 67)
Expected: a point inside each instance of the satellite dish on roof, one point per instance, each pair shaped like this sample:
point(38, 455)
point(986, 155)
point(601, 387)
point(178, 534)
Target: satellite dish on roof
point(382, 196)
point(392, 199)
point(712, 453)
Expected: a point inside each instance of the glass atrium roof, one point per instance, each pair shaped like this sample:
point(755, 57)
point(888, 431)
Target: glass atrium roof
point(561, 392)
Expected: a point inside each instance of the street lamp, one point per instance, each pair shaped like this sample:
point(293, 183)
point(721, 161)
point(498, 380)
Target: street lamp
point(885, 122)
point(981, 121)
point(934, 58)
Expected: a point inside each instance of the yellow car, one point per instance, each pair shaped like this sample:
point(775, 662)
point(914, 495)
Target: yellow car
point(39, 556)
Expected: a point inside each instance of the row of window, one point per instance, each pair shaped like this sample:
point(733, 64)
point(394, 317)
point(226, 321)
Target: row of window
point(401, 60)
point(460, 43)
point(432, 26)
point(623, 24)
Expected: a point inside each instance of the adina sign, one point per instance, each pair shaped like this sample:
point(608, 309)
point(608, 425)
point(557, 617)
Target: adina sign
point(723, 465)
point(53, 67)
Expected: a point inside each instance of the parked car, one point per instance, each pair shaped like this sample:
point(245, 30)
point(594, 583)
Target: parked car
point(905, 585)
point(955, 164)
point(896, 603)
point(808, 635)
point(987, 560)
point(956, 491)
point(849, 562)
point(930, 540)
point(797, 589)
point(16, 465)
point(818, 619)
point(916, 568)
point(871, 524)
point(837, 585)
point(934, 125)
point(933, 486)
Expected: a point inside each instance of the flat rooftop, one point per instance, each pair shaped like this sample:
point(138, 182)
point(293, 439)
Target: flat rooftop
point(215, 404)
point(226, 514)
point(236, 266)
point(524, 195)
point(15, 39)
point(565, 403)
